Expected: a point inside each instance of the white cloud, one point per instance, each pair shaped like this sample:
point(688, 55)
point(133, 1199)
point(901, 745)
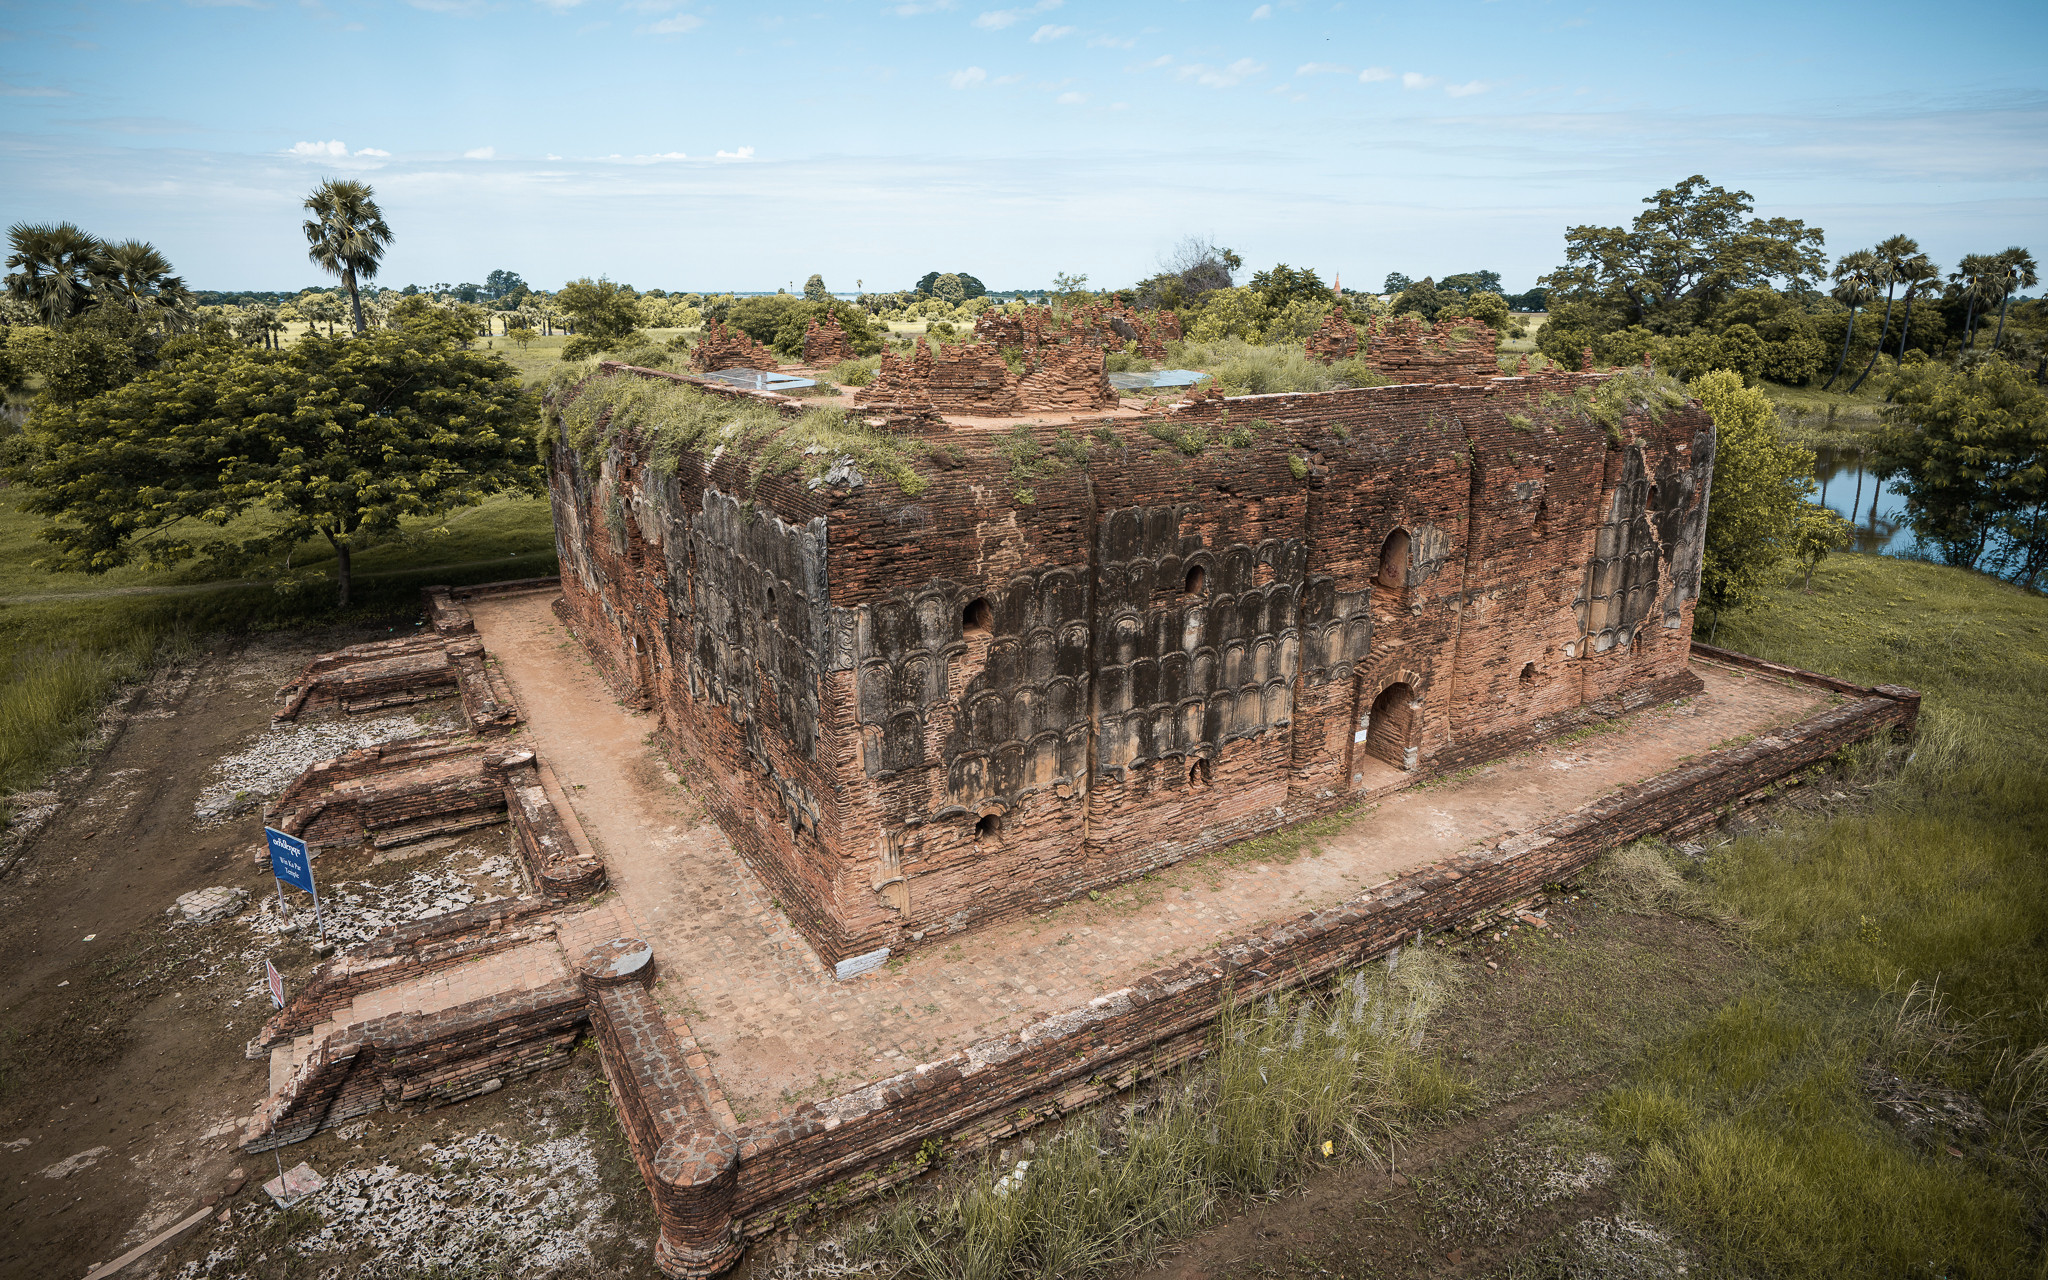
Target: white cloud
point(1322, 69)
point(1163, 60)
point(967, 78)
point(1220, 77)
point(334, 148)
point(1261, 13)
point(1466, 89)
point(743, 153)
point(559, 6)
point(373, 151)
point(31, 91)
point(681, 24)
point(1071, 99)
point(480, 153)
point(1416, 80)
point(997, 19)
point(1372, 74)
point(912, 10)
point(1050, 32)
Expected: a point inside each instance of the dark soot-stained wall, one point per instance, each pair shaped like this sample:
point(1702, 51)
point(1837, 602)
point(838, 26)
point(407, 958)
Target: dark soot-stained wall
point(915, 715)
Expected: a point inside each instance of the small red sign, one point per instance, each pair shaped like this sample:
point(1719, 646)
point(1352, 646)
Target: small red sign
point(276, 984)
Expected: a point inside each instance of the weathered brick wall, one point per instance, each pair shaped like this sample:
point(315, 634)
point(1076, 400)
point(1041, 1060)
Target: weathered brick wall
point(788, 1163)
point(1335, 339)
point(923, 714)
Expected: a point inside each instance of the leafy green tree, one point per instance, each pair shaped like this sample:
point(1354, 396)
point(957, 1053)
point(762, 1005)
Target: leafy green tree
point(1816, 532)
point(347, 235)
point(1283, 284)
point(1917, 273)
point(51, 268)
point(814, 289)
point(971, 286)
point(947, 288)
point(2011, 271)
point(1422, 298)
point(1855, 287)
point(1232, 313)
point(1490, 308)
point(1067, 285)
point(1395, 283)
point(342, 438)
point(94, 353)
point(605, 316)
point(1471, 282)
point(133, 275)
point(502, 284)
point(788, 336)
point(1973, 281)
point(1892, 257)
point(1760, 484)
point(1969, 448)
point(1680, 257)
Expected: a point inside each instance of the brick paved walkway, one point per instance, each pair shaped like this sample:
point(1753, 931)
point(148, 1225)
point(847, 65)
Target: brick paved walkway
point(778, 1028)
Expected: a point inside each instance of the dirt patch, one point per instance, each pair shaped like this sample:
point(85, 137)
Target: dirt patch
point(122, 1034)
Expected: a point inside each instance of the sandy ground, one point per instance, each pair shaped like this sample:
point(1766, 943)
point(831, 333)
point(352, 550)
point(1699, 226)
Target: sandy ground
point(779, 1029)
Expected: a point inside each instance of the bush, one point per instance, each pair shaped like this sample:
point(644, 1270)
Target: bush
point(856, 373)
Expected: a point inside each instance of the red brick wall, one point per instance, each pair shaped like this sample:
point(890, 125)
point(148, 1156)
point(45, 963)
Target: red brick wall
point(896, 771)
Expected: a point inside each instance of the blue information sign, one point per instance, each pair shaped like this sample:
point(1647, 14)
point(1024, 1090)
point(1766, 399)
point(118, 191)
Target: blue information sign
point(290, 860)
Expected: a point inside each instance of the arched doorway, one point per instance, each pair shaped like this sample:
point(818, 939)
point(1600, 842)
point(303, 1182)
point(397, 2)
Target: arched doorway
point(1390, 733)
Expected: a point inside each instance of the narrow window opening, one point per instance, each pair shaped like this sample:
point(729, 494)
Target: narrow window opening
point(1197, 579)
point(1199, 774)
point(1542, 516)
point(978, 616)
point(1653, 497)
point(1528, 673)
point(990, 828)
point(1394, 560)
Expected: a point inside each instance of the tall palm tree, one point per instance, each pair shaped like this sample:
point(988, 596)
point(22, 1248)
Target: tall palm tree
point(1855, 286)
point(348, 235)
point(133, 275)
point(1971, 281)
point(51, 268)
point(2012, 271)
point(1917, 272)
point(1891, 255)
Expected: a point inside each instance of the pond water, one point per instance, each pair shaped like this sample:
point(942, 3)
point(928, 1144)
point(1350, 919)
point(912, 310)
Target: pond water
point(1877, 510)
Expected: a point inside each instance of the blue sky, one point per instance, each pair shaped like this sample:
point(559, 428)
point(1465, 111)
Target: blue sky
point(723, 145)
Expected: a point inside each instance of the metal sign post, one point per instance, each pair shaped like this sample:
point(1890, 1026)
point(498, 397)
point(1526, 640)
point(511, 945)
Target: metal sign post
point(292, 863)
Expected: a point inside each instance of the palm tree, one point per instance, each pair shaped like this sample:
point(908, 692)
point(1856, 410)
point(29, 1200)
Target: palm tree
point(1971, 281)
point(2012, 271)
point(135, 276)
point(1855, 286)
point(1892, 255)
point(52, 268)
point(1917, 272)
point(348, 235)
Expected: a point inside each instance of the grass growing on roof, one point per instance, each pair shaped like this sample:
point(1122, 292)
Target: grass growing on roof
point(676, 417)
point(1242, 369)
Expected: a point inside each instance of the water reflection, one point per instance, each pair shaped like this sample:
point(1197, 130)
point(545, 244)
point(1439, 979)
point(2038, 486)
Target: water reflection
point(1877, 510)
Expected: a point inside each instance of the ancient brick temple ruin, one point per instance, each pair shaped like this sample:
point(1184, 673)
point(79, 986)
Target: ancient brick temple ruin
point(925, 711)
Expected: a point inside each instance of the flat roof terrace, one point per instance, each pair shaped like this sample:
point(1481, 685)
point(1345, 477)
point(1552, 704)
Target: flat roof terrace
point(778, 1029)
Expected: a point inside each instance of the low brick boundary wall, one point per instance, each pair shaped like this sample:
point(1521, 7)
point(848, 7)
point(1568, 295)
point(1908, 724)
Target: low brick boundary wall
point(433, 1058)
point(403, 954)
point(854, 1144)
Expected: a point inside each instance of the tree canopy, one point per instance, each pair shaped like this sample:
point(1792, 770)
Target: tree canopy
point(1970, 450)
point(1760, 490)
point(337, 437)
point(347, 235)
point(606, 316)
point(1693, 246)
